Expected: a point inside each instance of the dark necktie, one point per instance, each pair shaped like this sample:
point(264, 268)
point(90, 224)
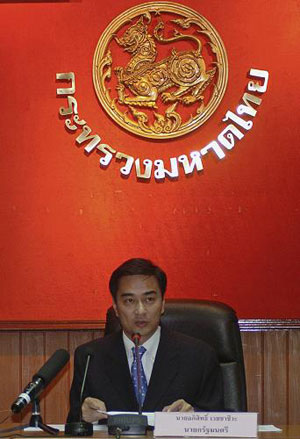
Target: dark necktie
point(134, 375)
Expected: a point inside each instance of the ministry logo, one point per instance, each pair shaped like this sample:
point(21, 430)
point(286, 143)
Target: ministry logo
point(160, 70)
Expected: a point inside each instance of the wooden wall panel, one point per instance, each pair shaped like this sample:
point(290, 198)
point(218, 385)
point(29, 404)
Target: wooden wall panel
point(272, 360)
point(275, 377)
point(294, 377)
point(254, 367)
point(10, 371)
point(98, 333)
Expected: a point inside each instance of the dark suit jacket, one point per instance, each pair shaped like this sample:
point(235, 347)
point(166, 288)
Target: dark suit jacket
point(184, 368)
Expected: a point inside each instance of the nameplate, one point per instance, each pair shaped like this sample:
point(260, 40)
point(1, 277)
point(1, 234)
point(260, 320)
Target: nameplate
point(201, 424)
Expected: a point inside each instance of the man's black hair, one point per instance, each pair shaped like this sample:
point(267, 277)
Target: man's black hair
point(137, 266)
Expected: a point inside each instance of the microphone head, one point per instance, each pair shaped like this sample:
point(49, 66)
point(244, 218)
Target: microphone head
point(136, 337)
point(51, 368)
point(89, 352)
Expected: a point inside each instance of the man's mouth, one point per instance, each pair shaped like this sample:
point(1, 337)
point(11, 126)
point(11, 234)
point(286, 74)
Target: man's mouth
point(140, 323)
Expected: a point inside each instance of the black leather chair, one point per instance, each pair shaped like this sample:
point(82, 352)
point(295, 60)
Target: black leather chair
point(216, 324)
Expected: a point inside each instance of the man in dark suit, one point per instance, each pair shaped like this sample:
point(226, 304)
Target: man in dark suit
point(178, 373)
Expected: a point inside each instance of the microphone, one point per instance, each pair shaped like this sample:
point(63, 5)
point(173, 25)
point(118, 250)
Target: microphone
point(136, 337)
point(81, 428)
point(41, 379)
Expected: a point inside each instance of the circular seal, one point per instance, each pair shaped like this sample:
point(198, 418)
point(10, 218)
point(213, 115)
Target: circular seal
point(160, 70)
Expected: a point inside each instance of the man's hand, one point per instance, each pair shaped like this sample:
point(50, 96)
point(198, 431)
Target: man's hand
point(179, 406)
point(90, 409)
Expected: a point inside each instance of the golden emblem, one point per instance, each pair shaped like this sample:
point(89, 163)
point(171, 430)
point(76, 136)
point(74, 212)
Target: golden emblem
point(160, 70)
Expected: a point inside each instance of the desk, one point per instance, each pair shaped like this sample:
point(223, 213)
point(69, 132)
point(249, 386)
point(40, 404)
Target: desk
point(288, 432)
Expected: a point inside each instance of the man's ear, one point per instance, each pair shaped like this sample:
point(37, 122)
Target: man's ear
point(163, 307)
point(115, 308)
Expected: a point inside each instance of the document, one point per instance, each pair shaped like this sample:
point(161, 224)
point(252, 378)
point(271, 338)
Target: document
point(266, 428)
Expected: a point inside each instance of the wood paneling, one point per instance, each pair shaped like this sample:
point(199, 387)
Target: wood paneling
point(254, 365)
point(272, 360)
point(10, 370)
point(275, 377)
point(42, 325)
point(293, 380)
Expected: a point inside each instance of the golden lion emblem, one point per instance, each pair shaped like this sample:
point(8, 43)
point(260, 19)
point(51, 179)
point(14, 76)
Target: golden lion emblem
point(155, 91)
point(148, 79)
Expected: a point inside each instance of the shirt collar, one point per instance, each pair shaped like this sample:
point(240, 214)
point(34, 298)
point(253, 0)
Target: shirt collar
point(150, 345)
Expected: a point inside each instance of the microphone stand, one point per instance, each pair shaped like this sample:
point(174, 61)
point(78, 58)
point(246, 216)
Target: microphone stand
point(81, 428)
point(35, 421)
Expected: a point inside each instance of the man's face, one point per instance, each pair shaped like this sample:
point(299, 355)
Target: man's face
point(139, 305)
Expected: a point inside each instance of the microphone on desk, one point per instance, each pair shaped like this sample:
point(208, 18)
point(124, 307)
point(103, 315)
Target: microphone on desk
point(81, 428)
point(130, 424)
point(41, 379)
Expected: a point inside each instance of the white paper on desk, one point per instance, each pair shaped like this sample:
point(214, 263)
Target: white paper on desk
point(59, 427)
point(266, 428)
point(150, 416)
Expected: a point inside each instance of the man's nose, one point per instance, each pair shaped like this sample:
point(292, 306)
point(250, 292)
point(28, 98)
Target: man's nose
point(140, 307)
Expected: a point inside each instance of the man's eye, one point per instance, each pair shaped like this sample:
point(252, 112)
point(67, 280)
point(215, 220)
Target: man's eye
point(128, 301)
point(150, 299)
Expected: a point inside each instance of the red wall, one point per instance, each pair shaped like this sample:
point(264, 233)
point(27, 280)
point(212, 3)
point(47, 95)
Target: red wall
point(229, 233)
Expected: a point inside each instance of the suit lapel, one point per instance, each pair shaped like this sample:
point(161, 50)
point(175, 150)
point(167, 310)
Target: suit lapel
point(118, 372)
point(164, 370)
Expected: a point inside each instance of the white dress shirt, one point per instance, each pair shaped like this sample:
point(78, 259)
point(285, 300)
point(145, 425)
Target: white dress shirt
point(148, 358)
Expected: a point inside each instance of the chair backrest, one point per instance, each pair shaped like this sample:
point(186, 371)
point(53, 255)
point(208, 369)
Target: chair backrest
point(216, 324)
